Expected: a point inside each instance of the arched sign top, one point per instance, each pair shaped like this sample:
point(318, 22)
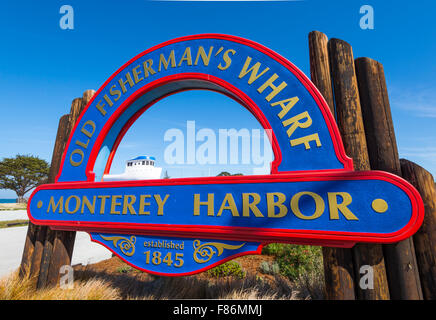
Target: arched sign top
point(303, 132)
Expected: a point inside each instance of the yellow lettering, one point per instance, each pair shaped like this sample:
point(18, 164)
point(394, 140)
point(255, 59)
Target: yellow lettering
point(91, 207)
point(114, 92)
point(142, 204)
point(100, 108)
point(306, 140)
point(80, 153)
point(103, 203)
point(275, 90)
point(186, 57)
point(136, 74)
point(248, 206)
point(209, 203)
point(67, 204)
point(319, 205)
point(85, 131)
point(295, 122)
point(254, 70)
point(160, 203)
point(81, 144)
point(226, 59)
point(228, 204)
point(129, 200)
point(272, 204)
point(115, 204)
point(148, 68)
point(163, 61)
point(123, 83)
point(54, 206)
point(202, 53)
point(285, 107)
point(335, 207)
point(108, 100)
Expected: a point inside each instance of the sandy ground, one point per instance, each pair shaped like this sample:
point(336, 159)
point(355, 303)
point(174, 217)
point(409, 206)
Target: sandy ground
point(12, 244)
point(13, 206)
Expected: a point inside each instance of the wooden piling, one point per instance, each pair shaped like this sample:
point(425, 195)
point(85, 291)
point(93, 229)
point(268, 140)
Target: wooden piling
point(320, 67)
point(45, 258)
point(35, 237)
point(29, 247)
point(425, 238)
point(45, 237)
point(350, 123)
point(38, 251)
point(86, 97)
point(63, 244)
point(50, 238)
point(41, 261)
point(338, 262)
point(400, 258)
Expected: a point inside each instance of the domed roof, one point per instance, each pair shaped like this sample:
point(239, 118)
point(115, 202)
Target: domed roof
point(144, 158)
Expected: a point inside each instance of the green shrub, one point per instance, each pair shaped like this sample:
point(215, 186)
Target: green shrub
point(274, 249)
point(125, 269)
point(231, 268)
point(295, 260)
point(269, 268)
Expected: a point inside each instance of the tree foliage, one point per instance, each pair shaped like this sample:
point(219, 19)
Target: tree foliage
point(22, 173)
point(226, 174)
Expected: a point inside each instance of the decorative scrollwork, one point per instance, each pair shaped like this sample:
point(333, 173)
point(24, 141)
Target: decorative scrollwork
point(126, 246)
point(204, 252)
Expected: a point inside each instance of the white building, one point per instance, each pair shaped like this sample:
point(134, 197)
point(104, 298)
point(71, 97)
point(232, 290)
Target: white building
point(139, 168)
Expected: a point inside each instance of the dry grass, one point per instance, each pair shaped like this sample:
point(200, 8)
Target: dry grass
point(311, 285)
point(112, 279)
point(12, 287)
point(160, 288)
point(105, 286)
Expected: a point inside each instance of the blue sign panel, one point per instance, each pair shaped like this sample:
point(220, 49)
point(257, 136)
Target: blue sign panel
point(183, 226)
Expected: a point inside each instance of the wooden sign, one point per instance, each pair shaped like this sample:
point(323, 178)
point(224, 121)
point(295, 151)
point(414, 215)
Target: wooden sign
point(183, 226)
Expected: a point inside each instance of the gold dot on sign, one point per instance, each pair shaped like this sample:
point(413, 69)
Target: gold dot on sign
point(39, 204)
point(379, 205)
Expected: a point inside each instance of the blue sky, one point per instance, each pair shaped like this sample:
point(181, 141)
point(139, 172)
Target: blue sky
point(42, 67)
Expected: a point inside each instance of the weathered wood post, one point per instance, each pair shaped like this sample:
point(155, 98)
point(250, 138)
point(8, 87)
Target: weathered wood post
point(320, 67)
point(35, 237)
point(338, 262)
point(64, 240)
point(47, 250)
point(29, 247)
point(49, 241)
point(425, 238)
point(54, 169)
point(350, 123)
point(400, 258)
